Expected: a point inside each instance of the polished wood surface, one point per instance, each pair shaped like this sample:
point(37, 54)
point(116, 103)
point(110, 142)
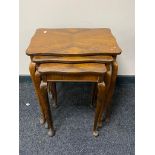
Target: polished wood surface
point(82, 68)
point(72, 59)
point(73, 41)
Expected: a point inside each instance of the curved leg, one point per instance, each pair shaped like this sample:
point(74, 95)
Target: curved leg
point(111, 89)
point(52, 89)
point(103, 108)
point(46, 106)
point(100, 102)
point(32, 69)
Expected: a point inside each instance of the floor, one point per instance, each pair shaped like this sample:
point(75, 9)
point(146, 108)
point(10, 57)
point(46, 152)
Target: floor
point(73, 120)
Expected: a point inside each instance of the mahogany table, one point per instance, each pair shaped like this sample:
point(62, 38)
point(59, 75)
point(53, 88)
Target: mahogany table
point(50, 48)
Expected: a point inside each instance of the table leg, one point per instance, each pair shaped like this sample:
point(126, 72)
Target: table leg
point(32, 69)
point(48, 116)
point(103, 108)
point(53, 91)
point(111, 89)
point(100, 102)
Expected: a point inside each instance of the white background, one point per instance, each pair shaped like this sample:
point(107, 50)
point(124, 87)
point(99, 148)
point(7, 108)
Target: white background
point(115, 14)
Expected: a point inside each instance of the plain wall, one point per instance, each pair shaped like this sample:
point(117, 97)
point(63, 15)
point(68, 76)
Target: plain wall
point(118, 15)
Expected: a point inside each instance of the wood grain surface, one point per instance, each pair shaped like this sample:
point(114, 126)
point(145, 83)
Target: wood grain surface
point(82, 68)
point(73, 41)
point(72, 59)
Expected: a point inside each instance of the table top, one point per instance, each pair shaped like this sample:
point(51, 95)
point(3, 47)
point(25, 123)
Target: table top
point(83, 68)
point(73, 41)
point(72, 59)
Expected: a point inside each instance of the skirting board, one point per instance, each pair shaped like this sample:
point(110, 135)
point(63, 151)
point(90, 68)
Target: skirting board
point(121, 79)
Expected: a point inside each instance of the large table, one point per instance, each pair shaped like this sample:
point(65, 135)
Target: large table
point(73, 50)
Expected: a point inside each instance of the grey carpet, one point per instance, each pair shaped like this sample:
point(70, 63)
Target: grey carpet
point(73, 121)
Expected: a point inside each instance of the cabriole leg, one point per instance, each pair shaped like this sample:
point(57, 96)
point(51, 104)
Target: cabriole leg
point(48, 116)
point(103, 108)
point(32, 69)
point(111, 89)
point(100, 102)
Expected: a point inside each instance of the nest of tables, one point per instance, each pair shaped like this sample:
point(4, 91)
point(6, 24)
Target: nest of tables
point(74, 55)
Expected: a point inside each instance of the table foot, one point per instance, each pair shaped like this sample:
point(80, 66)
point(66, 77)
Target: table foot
point(95, 133)
point(51, 132)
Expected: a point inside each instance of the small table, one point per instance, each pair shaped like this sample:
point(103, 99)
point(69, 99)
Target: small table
point(74, 46)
